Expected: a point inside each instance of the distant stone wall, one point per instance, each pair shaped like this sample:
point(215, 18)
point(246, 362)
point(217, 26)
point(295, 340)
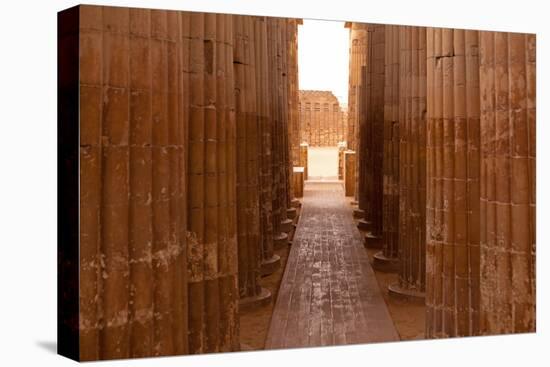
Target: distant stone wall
point(322, 120)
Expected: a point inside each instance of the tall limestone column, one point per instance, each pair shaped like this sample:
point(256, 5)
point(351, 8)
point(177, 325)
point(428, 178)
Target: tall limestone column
point(133, 279)
point(285, 111)
point(372, 140)
point(293, 125)
point(212, 216)
point(387, 260)
point(357, 59)
point(412, 164)
point(293, 102)
point(270, 261)
point(248, 196)
point(280, 237)
point(508, 202)
point(453, 225)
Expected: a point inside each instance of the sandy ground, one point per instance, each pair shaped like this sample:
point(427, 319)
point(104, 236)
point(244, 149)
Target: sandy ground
point(408, 317)
point(255, 323)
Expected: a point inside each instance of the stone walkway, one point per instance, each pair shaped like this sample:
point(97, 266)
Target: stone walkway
point(329, 294)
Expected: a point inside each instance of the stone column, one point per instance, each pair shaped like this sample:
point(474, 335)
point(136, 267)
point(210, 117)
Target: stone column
point(270, 261)
point(412, 164)
point(303, 158)
point(284, 113)
point(133, 298)
point(298, 181)
point(387, 260)
point(364, 176)
point(453, 226)
point(349, 172)
point(212, 240)
point(280, 238)
point(371, 145)
point(357, 59)
point(508, 203)
point(293, 118)
point(248, 196)
point(341, 150)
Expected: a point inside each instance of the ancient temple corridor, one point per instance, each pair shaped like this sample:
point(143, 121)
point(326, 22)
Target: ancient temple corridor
point(329, 294)
point(200, 231)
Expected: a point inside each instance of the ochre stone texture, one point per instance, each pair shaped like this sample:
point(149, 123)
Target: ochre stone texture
point(134, 113)
point(321, 118)
point(212, 233)
point(357, 59)
point(453, 157)
point(248, 152)
point(349, 172)
point(291, 84)
point(269, 260)
point(298, 181)
point(390, 173)
point(370, 106)
point(508, 201)
point(412, 162)
point(303, 158)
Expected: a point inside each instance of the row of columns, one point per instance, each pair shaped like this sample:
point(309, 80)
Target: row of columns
point(185, 151)
point(452, 157)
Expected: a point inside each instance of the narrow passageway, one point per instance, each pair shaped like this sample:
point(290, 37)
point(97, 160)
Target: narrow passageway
point(196, 139)
point(329, 294)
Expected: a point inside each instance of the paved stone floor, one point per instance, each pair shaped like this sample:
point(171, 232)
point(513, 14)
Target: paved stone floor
point(329, 294)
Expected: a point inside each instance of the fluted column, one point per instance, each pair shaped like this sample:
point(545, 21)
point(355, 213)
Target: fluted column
point(248, 196)
point(412, 164)
point(278, 209)
point(453, 226)
point(133, 298)
point(293, 122)
point(508, 202)
point(270, 261)
point(387, 260)
point(372, 135)
point(212, 239)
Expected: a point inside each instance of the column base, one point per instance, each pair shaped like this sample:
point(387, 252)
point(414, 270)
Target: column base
point(295, 203)
point(358, 213)
point(410, 295)
point(363, 225)
point(372, 241)
point(254, 302)
point(286, 225)
point(271, 265)
point(385, 264)
point(353, 202)
point(280, 240)
point(291, 213)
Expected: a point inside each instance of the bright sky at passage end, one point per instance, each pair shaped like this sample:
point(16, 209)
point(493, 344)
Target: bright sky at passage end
point(323, 54)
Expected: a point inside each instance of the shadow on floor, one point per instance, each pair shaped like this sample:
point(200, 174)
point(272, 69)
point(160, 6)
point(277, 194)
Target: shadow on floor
point(48, 345)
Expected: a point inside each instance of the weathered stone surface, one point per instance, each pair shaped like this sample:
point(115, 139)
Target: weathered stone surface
point(133, 293)
point(329, 294)
point(412, 162)
point(212, 218)
point(298, 181)
point(370, 106)
point(270, 262)
point(321, 118)
point(508, 201)
point(248, 165)
point(349, 173)
point(453, 226)
point(387, 259)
